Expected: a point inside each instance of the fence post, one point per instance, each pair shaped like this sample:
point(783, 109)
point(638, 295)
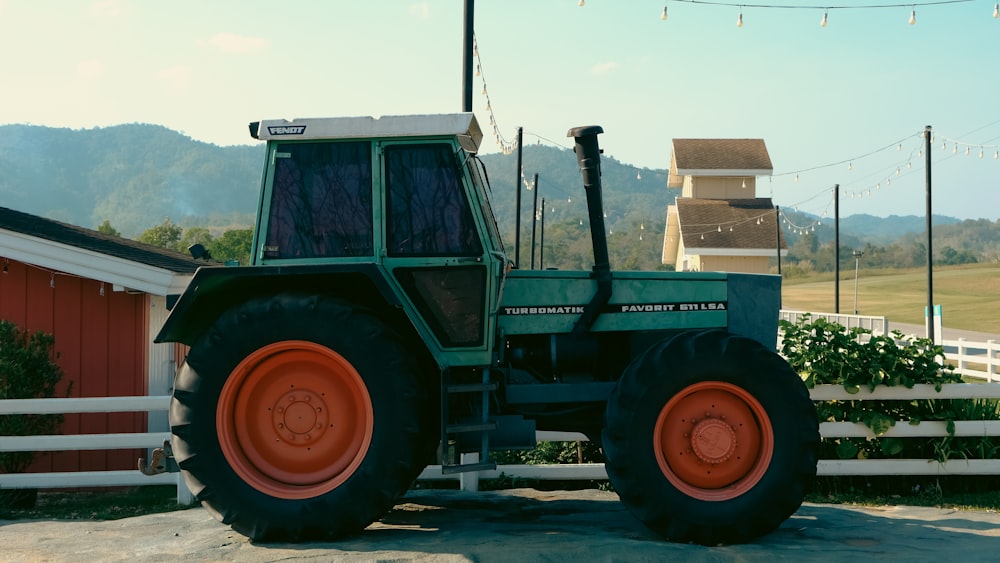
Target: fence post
point(992, 373)
point(184, 495)
point(469, 481)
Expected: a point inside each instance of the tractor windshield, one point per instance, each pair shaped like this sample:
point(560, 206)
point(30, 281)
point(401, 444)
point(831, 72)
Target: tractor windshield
point(321, 201)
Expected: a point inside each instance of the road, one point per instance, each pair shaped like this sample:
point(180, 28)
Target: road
point(521, 525)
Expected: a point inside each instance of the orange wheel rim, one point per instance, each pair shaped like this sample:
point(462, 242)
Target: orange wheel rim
point(294, 419)
point(713, 441)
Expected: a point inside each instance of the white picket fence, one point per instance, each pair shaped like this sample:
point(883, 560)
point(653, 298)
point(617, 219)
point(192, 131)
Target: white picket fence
point(75, 442)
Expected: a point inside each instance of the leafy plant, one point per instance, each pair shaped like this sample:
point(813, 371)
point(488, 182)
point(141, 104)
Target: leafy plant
point(825, 352)
point(27, 371)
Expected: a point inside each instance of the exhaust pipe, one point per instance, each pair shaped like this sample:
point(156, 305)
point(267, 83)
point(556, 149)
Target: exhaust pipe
point(588, 156)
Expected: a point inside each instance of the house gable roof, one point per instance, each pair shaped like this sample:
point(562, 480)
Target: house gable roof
point(720, 157)
point(86, 252)
point(721, 226)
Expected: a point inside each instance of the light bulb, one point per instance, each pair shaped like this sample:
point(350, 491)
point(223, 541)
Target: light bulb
point(850, 166)
point(996, 155)
point(822, 22)
point(582, 3)
point(478, 70)
point(720, 228)
point(980, 152)
point(913, 16)
point(955, 150)
point(663, 16)
point(638, 175)
point(967, 149)
point(996, 11)
point(739, 20)
point(484, 89)
point(744, 183)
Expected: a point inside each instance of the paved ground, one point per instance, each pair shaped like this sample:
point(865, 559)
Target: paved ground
point(521, 525)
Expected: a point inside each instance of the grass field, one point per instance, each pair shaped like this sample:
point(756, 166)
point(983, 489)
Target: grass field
point(969, 295)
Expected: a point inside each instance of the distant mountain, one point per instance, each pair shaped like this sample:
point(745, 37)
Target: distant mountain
point(132, 175)
point(136, 175)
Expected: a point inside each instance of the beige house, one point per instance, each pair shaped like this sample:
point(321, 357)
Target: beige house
point(718, 223)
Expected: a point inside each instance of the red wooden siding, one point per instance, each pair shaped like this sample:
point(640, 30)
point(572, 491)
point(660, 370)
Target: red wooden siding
point(101, 342)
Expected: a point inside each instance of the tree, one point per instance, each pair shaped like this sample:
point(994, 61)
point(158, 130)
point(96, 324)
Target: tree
point(27, 371)
point(233, 245)
point(165, 235)
point(107, 229)
point(194, 235)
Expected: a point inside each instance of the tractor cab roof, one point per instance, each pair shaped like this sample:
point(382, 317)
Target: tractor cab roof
point(461, 125)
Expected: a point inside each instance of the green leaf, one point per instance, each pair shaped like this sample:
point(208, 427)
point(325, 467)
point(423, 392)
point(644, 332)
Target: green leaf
point(891, 446)
point(846, 450)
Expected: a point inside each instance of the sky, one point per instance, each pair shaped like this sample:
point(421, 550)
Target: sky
point(843, 104)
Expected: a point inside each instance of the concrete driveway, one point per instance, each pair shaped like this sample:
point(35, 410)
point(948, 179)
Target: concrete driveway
point(518, 525)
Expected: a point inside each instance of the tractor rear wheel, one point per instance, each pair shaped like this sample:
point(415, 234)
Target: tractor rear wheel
point(297, 418)
point(710, 438)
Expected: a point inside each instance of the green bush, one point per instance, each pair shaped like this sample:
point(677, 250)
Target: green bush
point(27, 371)
point(824, 352)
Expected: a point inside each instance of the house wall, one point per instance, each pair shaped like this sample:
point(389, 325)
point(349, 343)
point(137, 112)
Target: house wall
point(746, 264)
point(720, 187)
point(100, 340)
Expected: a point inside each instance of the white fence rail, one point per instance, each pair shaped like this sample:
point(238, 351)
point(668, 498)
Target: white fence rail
point(967, 356)
point(73, 442)
point(974, 359)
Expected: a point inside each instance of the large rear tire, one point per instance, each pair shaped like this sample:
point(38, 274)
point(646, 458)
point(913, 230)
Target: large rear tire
point(710, 438)
point(297, 418)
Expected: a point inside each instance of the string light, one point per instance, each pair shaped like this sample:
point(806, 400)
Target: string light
point(826, 8)
point(996, 10)
point(506, 147)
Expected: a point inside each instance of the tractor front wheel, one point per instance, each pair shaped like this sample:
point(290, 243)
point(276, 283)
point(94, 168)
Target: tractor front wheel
point(710, 438)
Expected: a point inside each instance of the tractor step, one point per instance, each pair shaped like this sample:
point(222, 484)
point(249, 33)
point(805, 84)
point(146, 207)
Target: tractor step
point(472, 387)
point(466, 467)
point(471, 427)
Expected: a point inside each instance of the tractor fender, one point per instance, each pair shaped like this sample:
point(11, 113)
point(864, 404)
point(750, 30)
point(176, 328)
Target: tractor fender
point(214, 290)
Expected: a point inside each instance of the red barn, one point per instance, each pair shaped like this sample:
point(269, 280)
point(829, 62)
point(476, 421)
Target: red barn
point(104, 299)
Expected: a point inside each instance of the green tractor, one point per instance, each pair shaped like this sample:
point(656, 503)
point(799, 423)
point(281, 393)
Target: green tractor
point(382, 327)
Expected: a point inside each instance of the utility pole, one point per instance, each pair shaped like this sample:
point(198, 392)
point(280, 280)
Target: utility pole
point(518, 182)
point(541, 240)
point(836, 248)
point(534, 219)
point(857, 261)
point(930, 254)
point(467, 57)
point(777, 235)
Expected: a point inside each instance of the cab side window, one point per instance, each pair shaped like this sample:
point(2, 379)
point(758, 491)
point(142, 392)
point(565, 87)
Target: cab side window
point(428, 211)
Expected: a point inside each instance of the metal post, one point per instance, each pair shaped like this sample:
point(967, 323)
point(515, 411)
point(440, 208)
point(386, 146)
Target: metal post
point(467, 57)
point(836, 248)
point(541, 240)
point(777, 235)
point(857, 261)
point(517, 217)
point(930, 254)
point(534, 219)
